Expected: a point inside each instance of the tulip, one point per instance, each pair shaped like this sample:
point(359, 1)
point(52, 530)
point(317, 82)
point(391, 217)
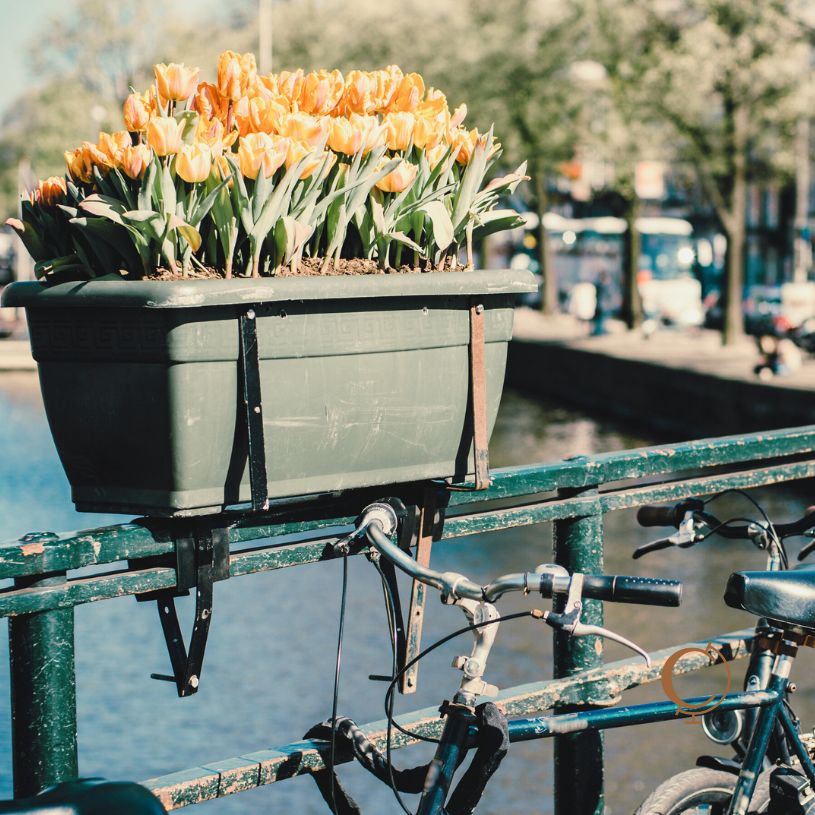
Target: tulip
point(358, 95)
point(259, 114)
point(136, 113)
point(434, 105)
point(299, 150)
point(208, 101)
point(235, 73)
point(436, 154)
point(78, 168)
point(290, 84)
point(164, 135)
point(398, 179)
point(386, 83)
point(463, 142)
point(354, 133)
point(50, 192)
point(399, 130)
point(408, 94)
point(112, 144)
point(175, 82)
point(213, 133)
point(321, 91)
point(458, 116)
point(257, 150)
point(305, 128)
point(428, 132)
point(134, 160)
point(193, 162)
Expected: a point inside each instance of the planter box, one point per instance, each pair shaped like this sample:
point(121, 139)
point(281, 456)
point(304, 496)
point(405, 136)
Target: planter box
point(364, 382)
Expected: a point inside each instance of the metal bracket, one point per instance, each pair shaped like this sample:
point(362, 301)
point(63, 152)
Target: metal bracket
point(253, 407)
point(478, 396)
point(201, 559)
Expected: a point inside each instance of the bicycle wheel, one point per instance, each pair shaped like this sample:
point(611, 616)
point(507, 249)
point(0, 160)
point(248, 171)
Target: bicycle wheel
point(701, 791)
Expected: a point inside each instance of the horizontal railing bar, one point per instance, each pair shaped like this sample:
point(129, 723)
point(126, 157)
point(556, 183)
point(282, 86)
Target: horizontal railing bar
point(76, 591)
point(241, 773)
point(44, 553)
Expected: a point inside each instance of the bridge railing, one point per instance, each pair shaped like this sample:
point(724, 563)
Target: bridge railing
point(574, 494)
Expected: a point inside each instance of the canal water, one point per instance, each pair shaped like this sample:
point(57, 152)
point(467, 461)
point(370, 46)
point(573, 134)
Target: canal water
point(269, 666)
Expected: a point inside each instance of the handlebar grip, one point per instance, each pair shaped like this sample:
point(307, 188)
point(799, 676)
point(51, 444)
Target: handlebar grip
point(651, 515)
point(649, 591)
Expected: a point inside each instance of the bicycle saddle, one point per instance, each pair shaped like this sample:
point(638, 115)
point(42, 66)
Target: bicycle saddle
point(88, 796)
point(786, 597)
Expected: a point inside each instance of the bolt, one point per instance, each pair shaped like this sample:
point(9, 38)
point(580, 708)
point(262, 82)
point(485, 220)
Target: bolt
point(193, 681)
point(479, 309)
point(257, 408)
point(250, 314)
point(792, 687)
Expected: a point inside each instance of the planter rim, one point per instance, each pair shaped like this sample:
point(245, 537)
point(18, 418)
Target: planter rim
point(160, 294)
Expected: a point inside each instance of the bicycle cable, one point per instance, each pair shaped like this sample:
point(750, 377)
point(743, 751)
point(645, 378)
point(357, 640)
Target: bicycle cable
point(337, 668)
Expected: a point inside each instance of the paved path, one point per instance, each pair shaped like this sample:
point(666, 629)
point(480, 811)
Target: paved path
point(700, 350)
point(15, 355)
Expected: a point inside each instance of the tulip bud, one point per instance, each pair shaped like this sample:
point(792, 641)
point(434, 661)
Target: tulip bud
point(164, 135)
point(463, 142)
point(398, 179)
point(134, 160)
point(176, 81)
point(194, 162)
point(136, 113)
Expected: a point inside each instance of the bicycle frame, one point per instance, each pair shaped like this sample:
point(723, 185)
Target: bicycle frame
point(769, 704)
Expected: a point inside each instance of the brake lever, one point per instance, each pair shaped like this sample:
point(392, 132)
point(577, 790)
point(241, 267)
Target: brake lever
point(685, 536)
point(569, 620)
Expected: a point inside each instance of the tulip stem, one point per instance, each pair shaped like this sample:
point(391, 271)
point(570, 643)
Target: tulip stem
point(469, 231)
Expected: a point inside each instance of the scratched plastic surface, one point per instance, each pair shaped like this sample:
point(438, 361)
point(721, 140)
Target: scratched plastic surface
point(269, 665)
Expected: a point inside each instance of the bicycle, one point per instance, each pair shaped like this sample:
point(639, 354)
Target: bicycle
point(88, 796)
point(716, 781)
point(770, 593)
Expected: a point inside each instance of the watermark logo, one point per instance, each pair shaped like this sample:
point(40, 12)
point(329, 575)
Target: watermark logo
point(694, 709)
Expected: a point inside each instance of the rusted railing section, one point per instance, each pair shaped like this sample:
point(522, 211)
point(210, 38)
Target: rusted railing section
point(575, 494)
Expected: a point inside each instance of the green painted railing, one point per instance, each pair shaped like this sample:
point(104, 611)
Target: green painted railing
point(575, 494)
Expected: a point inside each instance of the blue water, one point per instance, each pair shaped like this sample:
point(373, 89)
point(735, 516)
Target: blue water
point(269, 666)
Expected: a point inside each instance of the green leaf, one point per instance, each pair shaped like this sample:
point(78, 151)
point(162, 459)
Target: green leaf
point(443, 232)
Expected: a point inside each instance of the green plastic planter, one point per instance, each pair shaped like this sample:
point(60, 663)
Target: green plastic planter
point(364, 382)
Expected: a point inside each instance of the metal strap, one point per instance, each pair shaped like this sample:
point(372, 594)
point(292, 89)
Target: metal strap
point(250, 376)
point(478, 396)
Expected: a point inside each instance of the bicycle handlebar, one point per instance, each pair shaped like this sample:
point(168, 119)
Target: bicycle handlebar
point(611, 588)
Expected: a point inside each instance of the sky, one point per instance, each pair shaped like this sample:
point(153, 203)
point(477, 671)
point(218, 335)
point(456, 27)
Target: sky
point(20, 22)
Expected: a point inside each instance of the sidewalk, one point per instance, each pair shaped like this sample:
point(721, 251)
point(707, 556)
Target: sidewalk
point(15, 355)
point(682, 382)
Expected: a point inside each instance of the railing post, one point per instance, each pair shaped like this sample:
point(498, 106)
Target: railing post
point(43, 696)
point(578, 545)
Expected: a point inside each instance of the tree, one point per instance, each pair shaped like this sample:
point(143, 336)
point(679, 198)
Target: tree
point(731, 78)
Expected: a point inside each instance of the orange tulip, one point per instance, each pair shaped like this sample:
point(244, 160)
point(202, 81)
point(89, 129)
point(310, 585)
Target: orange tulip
point(299, 150)
point(321, 91)
point(463, 142)
point(209, 102)
point(176, 81)
point(458, 116)
point(193, 162)
point(135, 112)
point(354, 133)
point(82, 161)
point(386, 82)
point(408, 94)
point(434, 105)
point(164, 135)
point(398, 179)
point(290, 84)
point(399, 130)
point(112, 144)
point(305, 128)
point(260, 114)
point(50, 192)
point(213, 133)
point(257, 150)
point(235, 73)
point(428, 132)
point(358, 95)
point(435, 154)
point(134, 160)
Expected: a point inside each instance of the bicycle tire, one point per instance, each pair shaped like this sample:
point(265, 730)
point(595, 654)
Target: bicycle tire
point(689, 791)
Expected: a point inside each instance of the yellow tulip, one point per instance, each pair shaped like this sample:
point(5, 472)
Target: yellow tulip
point(436, 154)
point(428, 132)
point(299, 150)
point(256, 150)
point(50, 192)
point(235, 73)
point(303, 127)
point(135, 112)
point(175, 82)
point(398, 179)
point(434, 105)
point(290, 84)
point(463, 142)
point(112, 144)
point(399, 130)
point(164, 135)
point(408, 94)
point(134, 160)
point(358, 94)
point(212, 132)
point(458, 116)
point(351, 134)
point(193, 162)
point(209, 102)
point(321, 91)
point(386, 82)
